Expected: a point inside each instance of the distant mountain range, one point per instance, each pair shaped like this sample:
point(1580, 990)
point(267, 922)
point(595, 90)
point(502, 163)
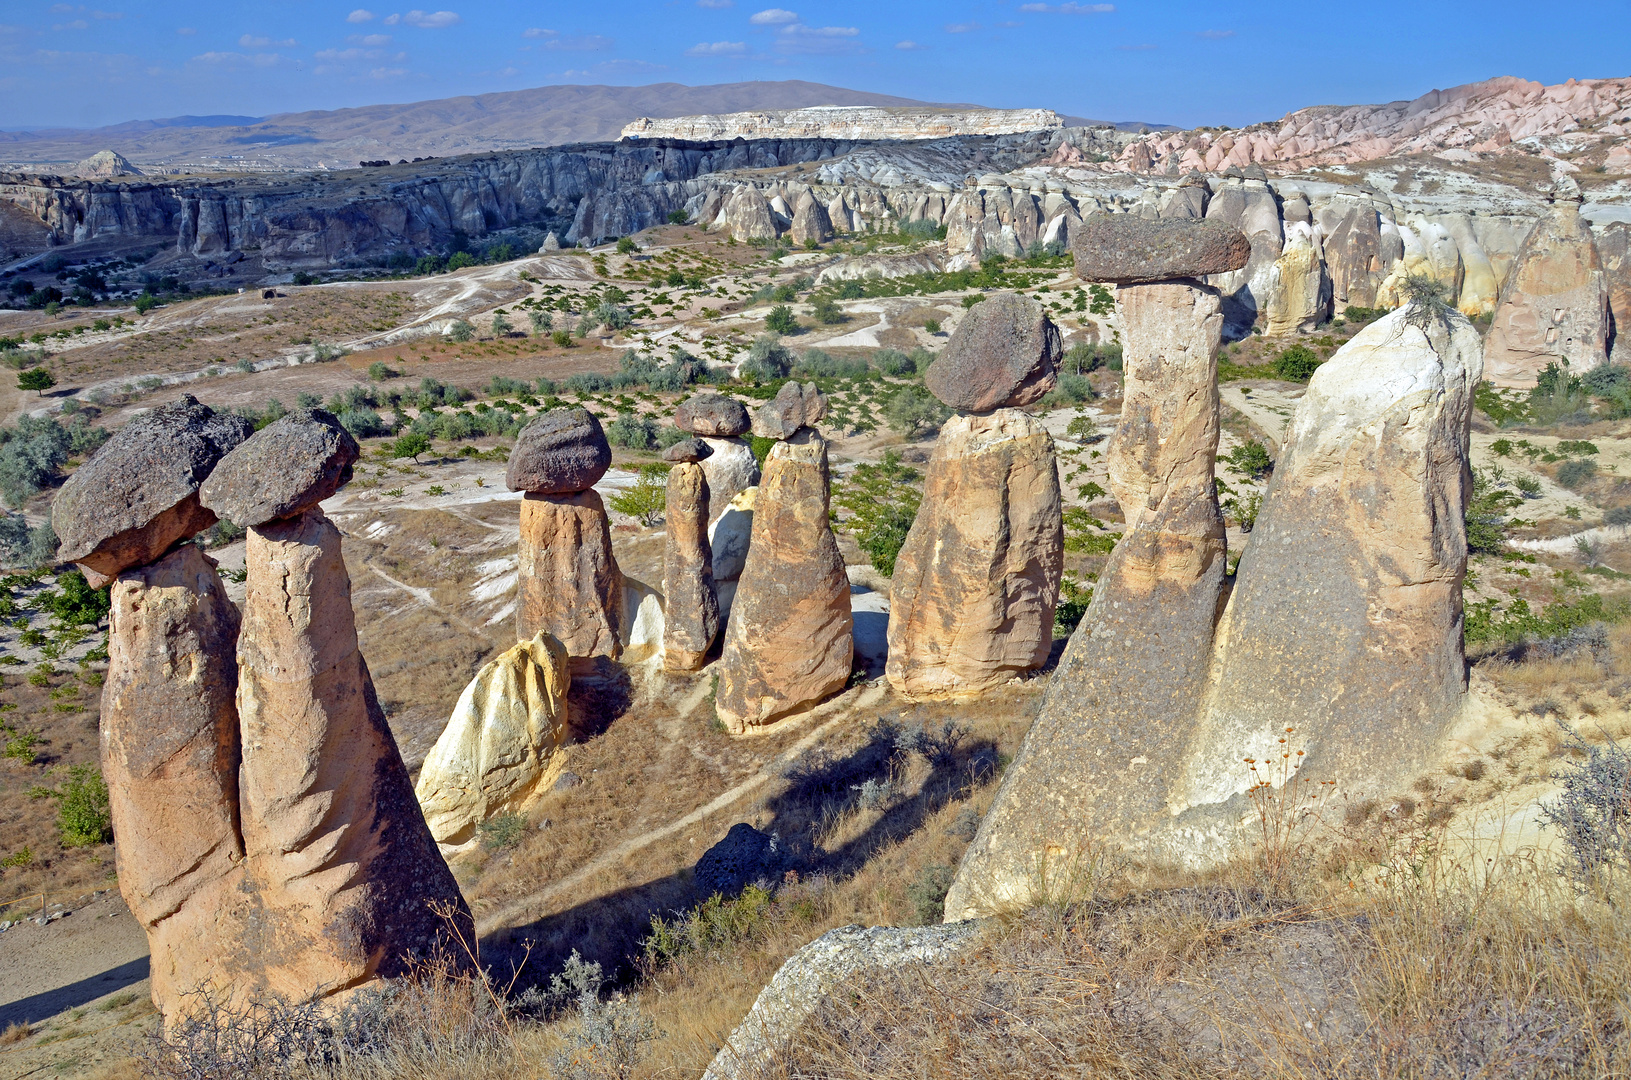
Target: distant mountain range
point(543, 116)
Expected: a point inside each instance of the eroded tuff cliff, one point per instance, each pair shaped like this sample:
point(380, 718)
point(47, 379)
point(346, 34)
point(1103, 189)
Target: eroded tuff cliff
point(861, 122)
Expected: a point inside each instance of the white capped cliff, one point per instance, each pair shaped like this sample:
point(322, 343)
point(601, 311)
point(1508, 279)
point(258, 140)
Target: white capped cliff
point(860, 122)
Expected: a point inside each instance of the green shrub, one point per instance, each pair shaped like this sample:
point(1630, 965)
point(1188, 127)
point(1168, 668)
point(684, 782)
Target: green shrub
point(1593, 812)
point(882, 505)
point(1485, 622)
point(30, 455)
point(1073, 602)
point(1086, 534)
point(461, 330)
point(501, 325)
point(632, 431)
point(647, 500)
point(1573, 473)
point(83, 817)
point(1250, 459)
point(1558, 397)
point(768, 359)
point(410, 445)
point(928, 894)
point(678, 217)
point(502, 832)
point(761, 448)
point(711, 927)
point(1071, 390)
point(913, 411)
point(459, 260)
point(781, 320)
point(825, 310)
point(1296, 364)
point(626, 245)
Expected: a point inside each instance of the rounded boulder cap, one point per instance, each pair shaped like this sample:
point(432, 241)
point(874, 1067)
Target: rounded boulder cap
point(561, 451)
point(284, 469)
point(1129, 250)
point(138, 494)
point(713, 415)
point(687, 450)
point(794, 406)
point(1004, 354)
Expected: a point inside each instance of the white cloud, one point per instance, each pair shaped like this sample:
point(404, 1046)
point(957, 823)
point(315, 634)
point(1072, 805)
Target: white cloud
point(584, 43)
point(716, 4)
point(1217, 35)
point(813, 40)
point(718, 48)
point(910, 46)
point(799, 29)
point(107, 14)
point(251, 41)
point(773, 17)
point(343, 55)
point(431, 20)
point(373, 41)
point(962, 28)
point(1070, 9)
point(392, 20)
point(361, 15)
point(77, 24)
point(537, 32)
point(238, 59)
point(387, 73)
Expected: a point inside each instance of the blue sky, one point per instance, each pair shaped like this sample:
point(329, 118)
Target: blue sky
point(1220, 62)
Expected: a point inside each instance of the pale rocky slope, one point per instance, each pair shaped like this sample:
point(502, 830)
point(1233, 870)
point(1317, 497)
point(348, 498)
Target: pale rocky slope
point(857, 122)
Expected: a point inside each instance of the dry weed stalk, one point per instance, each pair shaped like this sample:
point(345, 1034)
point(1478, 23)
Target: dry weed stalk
point(1287, 807)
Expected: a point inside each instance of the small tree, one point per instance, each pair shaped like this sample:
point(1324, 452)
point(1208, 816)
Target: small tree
point(37, 379)
point(678, 217)
point(627, 246)
point(648, 498)
point(460, 260)
point(542, 322)
point(781, 320)
point(562, 338)
point(501, 325)
point(461, 330)
point(826, 310)
point(410, 445)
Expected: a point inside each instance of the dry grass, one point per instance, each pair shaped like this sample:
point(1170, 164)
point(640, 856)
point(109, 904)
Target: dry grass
point(15, 1033)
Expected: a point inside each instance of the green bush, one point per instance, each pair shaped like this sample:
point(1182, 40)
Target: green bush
point(1519, 622)
point(1558, 397)
point(502, 832)
point(1486, 519)
point(632, 431)
point(825, 310)
point(30, 455)
point(1573, 473)
point(769, 359)
point(1250, 459)
point(410, 445)
point(83, 817)
point(647, 500)
point(459, 260)
point(882, 505)
point(626, 245)
point(913, 411)
point(781, 320)
point(678, 217)
point(1072, 606)
point(461, 330)
point(1071, 390)
point(928, 894)
point(561, 337)
point(1296, 364)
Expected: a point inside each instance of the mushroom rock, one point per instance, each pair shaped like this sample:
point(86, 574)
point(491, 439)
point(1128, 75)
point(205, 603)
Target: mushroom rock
point(498, 753)
point(712, 415)
point(790, 639)
point(810, 220)
point(1614, 249)
point(559, 452)
point(170, 754)
point(793, 407)
point(138, 495)
point(1554, 306)
point(1096, 764)
point(1296, 301)
point(976, 583)
point(281, 471)
point(569, 583)
point(344, 882)
point(730, 469)
point(691, 611)
point(1345, 623)
point(747, 213)
point(1004, 354)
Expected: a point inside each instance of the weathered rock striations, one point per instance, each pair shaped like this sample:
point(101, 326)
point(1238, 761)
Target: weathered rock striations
point(498, 753)
point(559, 452)
point(976, 583)
point(730, 470)
point(139, 494)
point(747, 215)
point(691, 606)
point(1345, 624)
point(1298, 290)
point(1554, 307)
point(1614, 248)
point(1096, 764)
point(569, 584)
point(170, 756)
point(343, 880)
point(1004, 354)
point(790, 639)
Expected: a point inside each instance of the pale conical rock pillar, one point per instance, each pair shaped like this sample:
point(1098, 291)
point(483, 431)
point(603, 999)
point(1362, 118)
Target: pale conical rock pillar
point(1296, 301)
point(790, 640)
point(1117, 712)
point(1554, 307)
point(498, 752)
point(345, 876)
point(170, 758)
point(691, 606)
point(570, 586)
point(1345, 623)
point(976, 583)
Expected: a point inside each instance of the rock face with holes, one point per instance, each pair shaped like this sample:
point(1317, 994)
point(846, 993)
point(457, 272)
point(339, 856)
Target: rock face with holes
point(1117, 714)
point(343, 879)
point(1004, 354)
point(977, 580)
point(559, 452)
point(790, 639)
point(282, 470)
point(691, 606)
point(1554, 307)
point(1346, 619)
point(499, 751)
point(170, 754)
point(569, 583)
point(138, 495)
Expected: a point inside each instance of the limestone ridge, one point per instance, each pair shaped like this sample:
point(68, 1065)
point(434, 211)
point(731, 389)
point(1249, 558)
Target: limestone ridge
point(849, 122)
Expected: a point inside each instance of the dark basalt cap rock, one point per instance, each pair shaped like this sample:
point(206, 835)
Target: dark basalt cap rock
point(687, 450)
point(138, 495)
point(285, 469)
point(1129, 250)
point(794, 407)
point(713, 415)
point(1005, 354)
point(560, 452)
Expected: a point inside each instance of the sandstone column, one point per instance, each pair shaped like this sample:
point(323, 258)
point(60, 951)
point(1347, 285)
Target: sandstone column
point(691, 607)
point(570, 586)
point(1118, 712)
point(790, 639)
point(344, 875)
point(1346, 621)
point(977, 581)
point(730, 466)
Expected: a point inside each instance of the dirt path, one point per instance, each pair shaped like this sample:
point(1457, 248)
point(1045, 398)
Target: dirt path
point(97, 950)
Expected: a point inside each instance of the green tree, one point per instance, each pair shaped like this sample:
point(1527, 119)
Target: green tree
point(460, 260)
point(781, 320)
point(146, 302)
point(562, 338)
point(881, 503)
point(37, 379)
point(501, 325)
point(1296, 364)
point(461, 330)
point(83, 817)
point(627, 246)
point(1250, 459)
point(648, 498)
point(678, 217)
point(542, 321)
point(826, 310)
point(410, 445)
